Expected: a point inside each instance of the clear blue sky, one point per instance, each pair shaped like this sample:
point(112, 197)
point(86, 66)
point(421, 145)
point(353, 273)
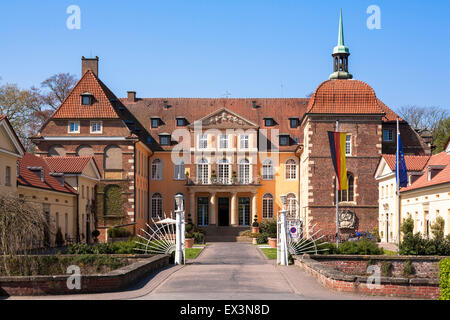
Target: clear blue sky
point(203, 48)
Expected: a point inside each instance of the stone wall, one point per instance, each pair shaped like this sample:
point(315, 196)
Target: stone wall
point(419, 288)
point(113, 281)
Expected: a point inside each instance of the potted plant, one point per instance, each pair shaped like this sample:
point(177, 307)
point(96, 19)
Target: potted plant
point(95, 235)
point(189, 240)
point(272, 239)
point(255, 225)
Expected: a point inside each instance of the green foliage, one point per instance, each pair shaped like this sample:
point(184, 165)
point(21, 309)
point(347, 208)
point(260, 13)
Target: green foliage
point(199, 237)
point(113, 200)
point(119, 247)
point(414, 244)
point(408, 268)
point(407, 227)
point(118, 232)
point(189, 235)
point(188, 227)
point(261, 238)
point(360, 247)
point(386, 269)
point(441, 134)
point(437, 228)
point(57, 264)
point(444, 276)
point(269, 227)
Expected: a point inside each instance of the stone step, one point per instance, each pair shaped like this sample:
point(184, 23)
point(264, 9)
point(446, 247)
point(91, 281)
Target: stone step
point(228, 239)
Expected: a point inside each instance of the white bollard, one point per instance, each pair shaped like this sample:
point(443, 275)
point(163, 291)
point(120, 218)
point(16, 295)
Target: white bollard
point(283, 248)
point(179, 244)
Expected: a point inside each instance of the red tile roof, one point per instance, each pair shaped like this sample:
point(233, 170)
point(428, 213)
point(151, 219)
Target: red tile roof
point(192, 109)
point(443, 176)
point(101, 108)
point(413, 163)
point(344, 97)
point(31, 178)
point(68, 164)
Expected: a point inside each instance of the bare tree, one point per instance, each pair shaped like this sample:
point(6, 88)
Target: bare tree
point(423, 117)
point(20, 223)
point(58, 88)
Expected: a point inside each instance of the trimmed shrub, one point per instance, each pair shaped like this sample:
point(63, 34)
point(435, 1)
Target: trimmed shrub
point(444, 276)
point(360, 247)
point(386, 268)
point(269, 227)
point(408, 269)
point(118, 232)
point(261, 238)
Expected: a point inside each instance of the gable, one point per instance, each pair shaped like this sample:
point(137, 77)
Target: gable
point(91, 170)
point(224, 119)
point(9, 143)
point(101, 107)
point(383, 169)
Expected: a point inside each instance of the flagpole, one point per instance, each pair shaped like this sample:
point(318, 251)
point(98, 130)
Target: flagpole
point(337, 200)
point(397, 174)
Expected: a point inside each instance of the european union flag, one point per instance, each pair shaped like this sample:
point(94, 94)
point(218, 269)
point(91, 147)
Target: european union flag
point(402, 171)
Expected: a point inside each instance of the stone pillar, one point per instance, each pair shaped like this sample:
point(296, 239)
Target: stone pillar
point(234, 210)
point(212, 208)
point(254, 207)
point(192, 207)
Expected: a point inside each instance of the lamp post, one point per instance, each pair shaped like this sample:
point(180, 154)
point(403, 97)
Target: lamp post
point(282, 250)
point(179, 212)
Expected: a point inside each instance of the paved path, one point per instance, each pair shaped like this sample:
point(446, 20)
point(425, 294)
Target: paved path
point(225, 271)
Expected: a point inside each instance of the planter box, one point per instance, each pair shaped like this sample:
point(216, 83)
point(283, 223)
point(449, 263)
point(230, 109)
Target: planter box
point(189, 242)
point(272, 242)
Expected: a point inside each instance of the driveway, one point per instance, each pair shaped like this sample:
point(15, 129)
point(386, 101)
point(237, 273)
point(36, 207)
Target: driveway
point(225, 271)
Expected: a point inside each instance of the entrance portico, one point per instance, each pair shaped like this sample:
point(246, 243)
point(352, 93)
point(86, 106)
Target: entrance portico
point(222, 205)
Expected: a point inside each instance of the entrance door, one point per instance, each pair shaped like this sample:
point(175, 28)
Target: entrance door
point(202, 211)
point(244, 211)
point(224, 211)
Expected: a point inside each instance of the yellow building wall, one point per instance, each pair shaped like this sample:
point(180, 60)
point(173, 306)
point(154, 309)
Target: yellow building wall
point(62, 208)
point(7, 160)
point(141, 188)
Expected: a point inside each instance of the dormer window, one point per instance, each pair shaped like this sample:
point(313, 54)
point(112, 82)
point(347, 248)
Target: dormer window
point(155, 122)
point(293, 122)
point(164, 139)
point(269, 122)
point(181, 122)
point(284, 139)
point(87, 99)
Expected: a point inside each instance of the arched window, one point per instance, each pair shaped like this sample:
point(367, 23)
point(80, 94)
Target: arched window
point(244, 171)
point(113, 200)
point(179, 170)
point(292, 204)
point(56, 151)
point(291, 170)
point(267, 206)
point(267, 170)
point(224, 171)
point(348, 195)
point(203, 171)
point(113, 158)
point(85, 151)
point(157, 205)
point(157, 169)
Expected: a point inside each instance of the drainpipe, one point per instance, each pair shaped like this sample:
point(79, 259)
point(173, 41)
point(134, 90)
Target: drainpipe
point(78, 213)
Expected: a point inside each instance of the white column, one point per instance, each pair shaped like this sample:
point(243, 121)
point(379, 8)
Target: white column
point(234, 211)
point(283, 241)
point(212, 208)
point(178, 247)
point(192, 207)
point(254, 207)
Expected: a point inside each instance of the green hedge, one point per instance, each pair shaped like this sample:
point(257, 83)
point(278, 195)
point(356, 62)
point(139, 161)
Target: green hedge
point(120, 247)
point(360, 247)
point(444, 275)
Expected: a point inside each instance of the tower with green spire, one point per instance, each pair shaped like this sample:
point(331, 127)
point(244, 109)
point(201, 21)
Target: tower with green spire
point(340, 56)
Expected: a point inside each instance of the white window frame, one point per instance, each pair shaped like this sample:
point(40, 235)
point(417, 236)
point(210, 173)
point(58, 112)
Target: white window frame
point(268, 170)
point(244, 171)
point(179, 170)
point(348, 145)
point(203, 171)
point(244, 141)
point(291, 169)
point(157, 171)
point(267, 206)
point(69, 127)
point(390, 135)
point(223, 171)
point(223, 141)
point(203, 141)
point(96, 123)
point(157, 205)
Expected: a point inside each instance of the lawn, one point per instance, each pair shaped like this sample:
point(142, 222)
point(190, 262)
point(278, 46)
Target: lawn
point(271, 253)
point(390, 253)
point(192, 253)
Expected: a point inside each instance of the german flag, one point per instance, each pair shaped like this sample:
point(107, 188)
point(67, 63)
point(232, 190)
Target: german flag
point(337, 147)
